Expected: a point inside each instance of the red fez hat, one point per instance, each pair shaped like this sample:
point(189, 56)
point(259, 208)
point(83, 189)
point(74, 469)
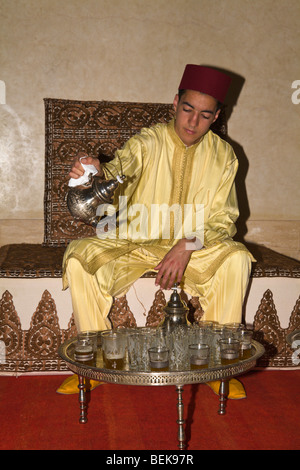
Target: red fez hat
point(206, 80)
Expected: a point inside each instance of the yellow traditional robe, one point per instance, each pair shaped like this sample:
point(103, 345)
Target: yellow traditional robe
point(161, 170)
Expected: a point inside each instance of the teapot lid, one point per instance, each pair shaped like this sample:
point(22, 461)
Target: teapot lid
point(175, 303)
point(105, 189)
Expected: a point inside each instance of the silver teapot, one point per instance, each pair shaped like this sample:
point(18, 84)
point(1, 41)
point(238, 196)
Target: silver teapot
point(83, 201)
point(175, 311)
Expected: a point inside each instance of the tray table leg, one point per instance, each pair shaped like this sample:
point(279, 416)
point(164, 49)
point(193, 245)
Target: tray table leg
point(223, 392)
point(180, 421)
point(82, 400)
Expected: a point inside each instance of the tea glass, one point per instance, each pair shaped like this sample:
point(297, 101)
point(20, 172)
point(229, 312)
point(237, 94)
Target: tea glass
point(245, 338)
point(113, 345)
point(145, 340)
point(232, 330)
point(218, 332)
point(84, 351)
point(92, 336)
point(159, 359)
point(199, 356)
point(179, 359)
point(133, 349)
point(229, 350)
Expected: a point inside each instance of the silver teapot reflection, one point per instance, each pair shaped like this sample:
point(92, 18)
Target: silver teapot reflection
point(83, 201)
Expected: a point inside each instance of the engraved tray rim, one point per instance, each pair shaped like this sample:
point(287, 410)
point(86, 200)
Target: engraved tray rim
point(180, 377)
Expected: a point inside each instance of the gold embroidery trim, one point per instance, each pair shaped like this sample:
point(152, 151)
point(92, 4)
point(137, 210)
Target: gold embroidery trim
point(182, 167)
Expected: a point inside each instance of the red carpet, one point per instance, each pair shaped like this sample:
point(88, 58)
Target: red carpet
point(35, 417)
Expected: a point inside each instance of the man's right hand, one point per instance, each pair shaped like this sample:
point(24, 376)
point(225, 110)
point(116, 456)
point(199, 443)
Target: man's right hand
point(77, 170)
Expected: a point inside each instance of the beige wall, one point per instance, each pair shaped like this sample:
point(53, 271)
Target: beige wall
point(136, 50)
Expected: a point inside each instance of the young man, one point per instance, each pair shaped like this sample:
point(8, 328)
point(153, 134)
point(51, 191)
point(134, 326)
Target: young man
point(184, 168)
